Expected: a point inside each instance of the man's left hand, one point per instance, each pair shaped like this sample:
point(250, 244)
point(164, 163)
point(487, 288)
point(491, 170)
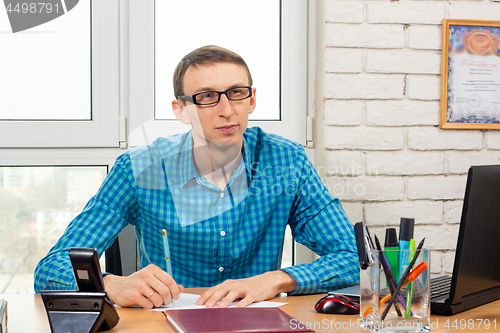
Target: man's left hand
point(253, 289)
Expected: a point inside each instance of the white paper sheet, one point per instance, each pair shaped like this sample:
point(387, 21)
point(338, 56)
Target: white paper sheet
point(188, 301)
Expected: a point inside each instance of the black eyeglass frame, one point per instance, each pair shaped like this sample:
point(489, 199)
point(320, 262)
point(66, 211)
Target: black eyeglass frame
point(193, 97)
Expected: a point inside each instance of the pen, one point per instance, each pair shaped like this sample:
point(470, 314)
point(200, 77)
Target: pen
point(411, 277)
point(391, 281)
point(166, 250)
point(403, 278)
point(409, 291)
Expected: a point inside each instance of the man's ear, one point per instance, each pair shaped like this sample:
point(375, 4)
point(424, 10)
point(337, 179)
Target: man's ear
point(180, 112)
point(253, 101)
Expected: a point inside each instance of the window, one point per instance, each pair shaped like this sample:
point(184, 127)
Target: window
point(33, 86)
point(61, 79)
point(160, 36)
point(37, 203)
point(239, 31)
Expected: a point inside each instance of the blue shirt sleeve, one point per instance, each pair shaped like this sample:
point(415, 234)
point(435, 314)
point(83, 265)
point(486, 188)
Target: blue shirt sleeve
point(319, 222)
point(104, 216)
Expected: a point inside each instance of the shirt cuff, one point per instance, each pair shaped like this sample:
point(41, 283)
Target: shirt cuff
point(306, 279)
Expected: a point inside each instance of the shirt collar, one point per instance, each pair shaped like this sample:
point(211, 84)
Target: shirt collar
point(186, 161)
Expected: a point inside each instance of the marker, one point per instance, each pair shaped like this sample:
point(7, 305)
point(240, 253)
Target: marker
point(405, 234)
point(166, 251)
point(391, 247)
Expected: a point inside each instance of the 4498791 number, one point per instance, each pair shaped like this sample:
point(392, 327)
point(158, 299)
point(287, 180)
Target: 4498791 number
point(471, 324)
point(33, 8)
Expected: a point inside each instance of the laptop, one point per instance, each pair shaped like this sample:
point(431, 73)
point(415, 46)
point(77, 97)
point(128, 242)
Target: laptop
point(476, 273)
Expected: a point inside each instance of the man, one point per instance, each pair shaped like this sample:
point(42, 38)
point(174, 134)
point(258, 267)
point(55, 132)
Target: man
point(223, 192)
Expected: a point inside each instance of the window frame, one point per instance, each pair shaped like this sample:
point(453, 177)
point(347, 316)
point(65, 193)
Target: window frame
point(144, 128)
point(103, 129)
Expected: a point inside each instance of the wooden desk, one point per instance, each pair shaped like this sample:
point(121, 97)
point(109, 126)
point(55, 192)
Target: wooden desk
point(26, 313)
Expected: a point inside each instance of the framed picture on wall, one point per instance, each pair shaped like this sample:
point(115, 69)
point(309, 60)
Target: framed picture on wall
point(470, 74)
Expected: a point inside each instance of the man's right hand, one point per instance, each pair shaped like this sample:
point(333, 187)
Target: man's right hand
point(150, 287)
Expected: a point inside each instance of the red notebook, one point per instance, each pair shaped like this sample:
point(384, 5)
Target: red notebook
point(233, 320)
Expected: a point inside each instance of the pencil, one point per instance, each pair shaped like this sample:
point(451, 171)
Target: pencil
point(166, 251)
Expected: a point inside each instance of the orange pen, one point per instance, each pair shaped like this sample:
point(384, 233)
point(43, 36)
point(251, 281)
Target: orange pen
point(411, 277)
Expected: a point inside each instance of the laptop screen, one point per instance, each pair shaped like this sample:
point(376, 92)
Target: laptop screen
point(476, 269)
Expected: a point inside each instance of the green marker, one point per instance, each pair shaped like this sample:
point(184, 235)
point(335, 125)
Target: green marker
point(391, 247)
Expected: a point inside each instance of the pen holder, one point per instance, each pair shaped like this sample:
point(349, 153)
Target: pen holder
point(374, 287)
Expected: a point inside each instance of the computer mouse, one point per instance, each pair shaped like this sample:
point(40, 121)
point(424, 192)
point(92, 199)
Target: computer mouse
point(337, 304)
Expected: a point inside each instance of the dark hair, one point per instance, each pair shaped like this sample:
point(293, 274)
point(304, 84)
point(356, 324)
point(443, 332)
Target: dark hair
point(205, 55)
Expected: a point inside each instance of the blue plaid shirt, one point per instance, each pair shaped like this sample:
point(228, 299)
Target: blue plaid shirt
point(214, 235)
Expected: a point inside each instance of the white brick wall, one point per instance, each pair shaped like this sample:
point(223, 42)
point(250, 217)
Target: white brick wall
point(436, 187)
point(453, 211)
point(424, 12)
point(366, 188)
point(344, 163)
point(354, 211)
point(423, 87)
point(460, 162)
point(364, 138)
point(424, 37)
point(344, 60)
point(344, 12)
point(430, 138)
point(385, 155)
point(405, 163)
point(492, 140)
point(382, 36)
point(362, 86)
point(438, 237)
point(399, 113)
point(471, 10)
point(343, 112)
point(407, 61)
point(436, 262)
point(448, 261)
point(390, 213)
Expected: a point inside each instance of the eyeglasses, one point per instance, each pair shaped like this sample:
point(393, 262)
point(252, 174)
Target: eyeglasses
point(213, 97)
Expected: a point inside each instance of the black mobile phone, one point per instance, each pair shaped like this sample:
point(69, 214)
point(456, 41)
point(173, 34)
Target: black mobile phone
point(87, 310)
point(85, 262)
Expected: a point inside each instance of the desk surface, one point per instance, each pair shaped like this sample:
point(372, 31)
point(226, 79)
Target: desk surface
point(26, 313)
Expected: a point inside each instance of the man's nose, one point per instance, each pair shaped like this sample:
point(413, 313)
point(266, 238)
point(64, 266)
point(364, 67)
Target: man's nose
point(225, 107)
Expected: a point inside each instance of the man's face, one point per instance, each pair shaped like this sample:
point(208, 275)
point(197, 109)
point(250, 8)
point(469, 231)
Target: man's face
point(226, 121)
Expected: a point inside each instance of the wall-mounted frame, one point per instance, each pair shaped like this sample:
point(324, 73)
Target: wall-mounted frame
point(470, 75)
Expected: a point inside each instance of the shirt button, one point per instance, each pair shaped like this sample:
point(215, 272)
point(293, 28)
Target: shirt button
point(221, 269)
point(223, 233)
point(221, 195)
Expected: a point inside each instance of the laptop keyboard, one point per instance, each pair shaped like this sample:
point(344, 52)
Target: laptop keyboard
point(440, 287)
